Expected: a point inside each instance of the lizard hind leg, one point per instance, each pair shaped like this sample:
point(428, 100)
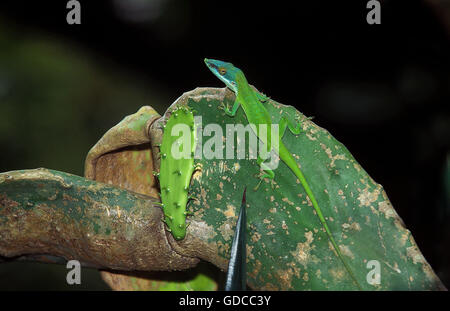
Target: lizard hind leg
point(266, 173)
point(286, 123)
point(262, 97)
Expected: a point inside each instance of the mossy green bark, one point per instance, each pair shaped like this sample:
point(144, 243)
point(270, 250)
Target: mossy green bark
point(49, 212)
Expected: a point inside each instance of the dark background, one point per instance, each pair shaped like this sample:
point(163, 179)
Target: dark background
point(382, 90)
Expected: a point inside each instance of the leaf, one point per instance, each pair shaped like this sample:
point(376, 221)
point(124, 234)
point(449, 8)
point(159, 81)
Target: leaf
point(287, 247)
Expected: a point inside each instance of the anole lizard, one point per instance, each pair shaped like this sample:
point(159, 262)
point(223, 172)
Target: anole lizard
point(257, 114)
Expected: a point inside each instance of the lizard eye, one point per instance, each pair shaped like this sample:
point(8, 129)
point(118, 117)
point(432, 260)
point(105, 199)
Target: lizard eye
point(222, 71)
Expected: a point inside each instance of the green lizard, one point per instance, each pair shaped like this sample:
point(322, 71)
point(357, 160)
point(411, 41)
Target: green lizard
point(257, 114)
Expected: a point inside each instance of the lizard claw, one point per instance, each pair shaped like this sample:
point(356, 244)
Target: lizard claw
point(225, 109)
point(272, 183)
point(299, 128)
point(261, 177)
point(257, 186)
point(222, 106)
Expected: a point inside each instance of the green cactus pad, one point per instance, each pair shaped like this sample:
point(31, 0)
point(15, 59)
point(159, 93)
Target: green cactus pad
point(177, 166)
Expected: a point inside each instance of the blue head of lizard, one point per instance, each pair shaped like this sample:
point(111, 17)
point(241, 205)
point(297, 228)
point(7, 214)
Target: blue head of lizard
point(226, 72)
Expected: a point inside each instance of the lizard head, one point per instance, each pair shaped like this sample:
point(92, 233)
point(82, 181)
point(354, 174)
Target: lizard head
point(226, 72)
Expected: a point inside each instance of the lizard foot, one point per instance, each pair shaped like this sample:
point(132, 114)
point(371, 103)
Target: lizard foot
point(261, 177)
point(225, 109)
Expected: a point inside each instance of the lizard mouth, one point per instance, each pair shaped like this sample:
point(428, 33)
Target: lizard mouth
point(210, 64)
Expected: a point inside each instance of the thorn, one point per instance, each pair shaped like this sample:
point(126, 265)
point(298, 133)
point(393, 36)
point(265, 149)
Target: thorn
point(165, 189)
point(192, 198)
point(244, 197)
point(178, 172)
point(177, 205)
point(180, 226)
point(158, 204)
point(164, 155)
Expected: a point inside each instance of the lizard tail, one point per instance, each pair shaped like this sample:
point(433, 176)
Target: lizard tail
point(287, 158)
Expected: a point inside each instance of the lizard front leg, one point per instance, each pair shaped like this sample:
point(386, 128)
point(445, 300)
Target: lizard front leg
point(229, 112)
